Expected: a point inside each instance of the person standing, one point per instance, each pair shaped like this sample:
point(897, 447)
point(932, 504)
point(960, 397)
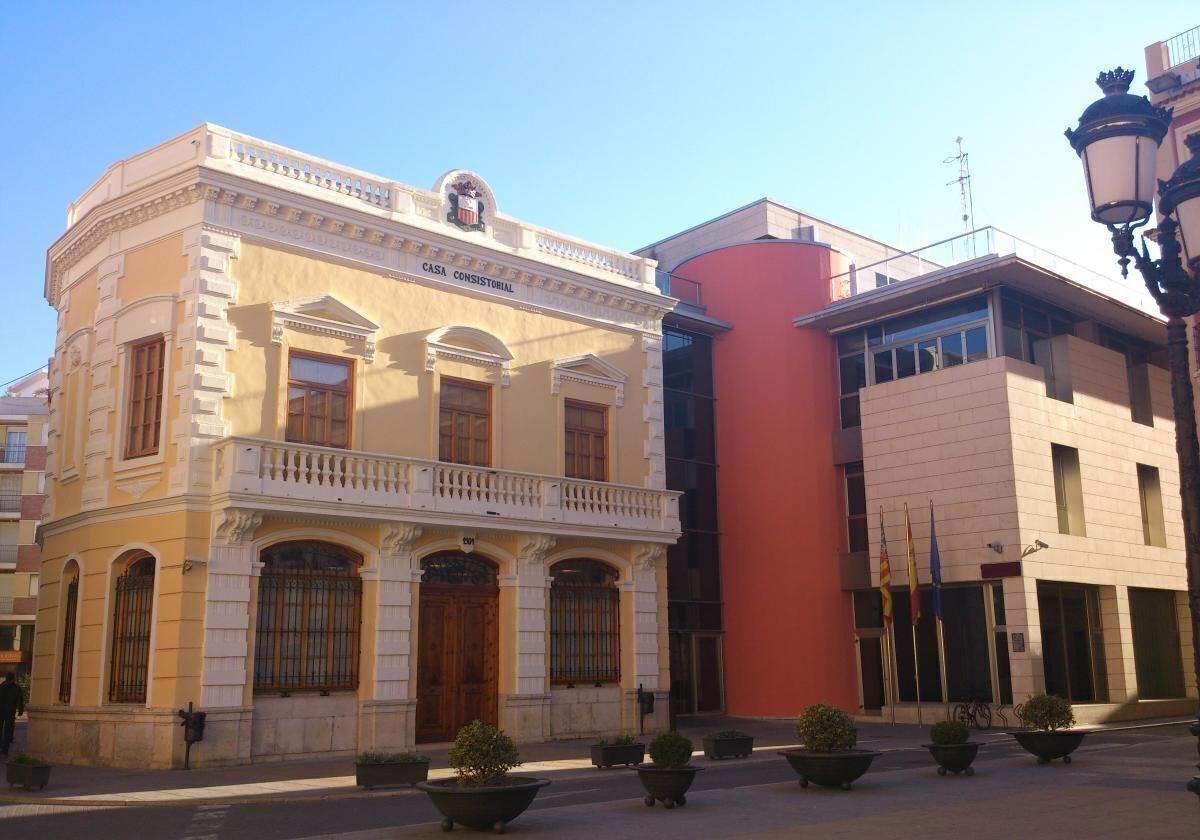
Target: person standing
point(12, 703)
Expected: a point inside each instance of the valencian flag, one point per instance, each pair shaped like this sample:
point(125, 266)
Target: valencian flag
point(914, 594)
point(935, 566)
point(885, 575)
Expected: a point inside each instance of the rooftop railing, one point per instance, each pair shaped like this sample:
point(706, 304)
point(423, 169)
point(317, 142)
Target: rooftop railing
point(687, 291)
point(993, 242)
point(1183, 47)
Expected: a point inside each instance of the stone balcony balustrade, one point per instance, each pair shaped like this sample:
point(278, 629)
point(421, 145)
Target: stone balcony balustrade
point(274, 475)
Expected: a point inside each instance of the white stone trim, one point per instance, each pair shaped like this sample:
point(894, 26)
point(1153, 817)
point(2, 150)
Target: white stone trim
point(344, 323)
point(574, 369)
point(442, 343)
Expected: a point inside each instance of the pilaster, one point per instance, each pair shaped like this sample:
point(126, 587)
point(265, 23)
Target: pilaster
point(655, 447)
point(1023, 617)
point(227, 660)
point(526, 711)
point(1117, 628)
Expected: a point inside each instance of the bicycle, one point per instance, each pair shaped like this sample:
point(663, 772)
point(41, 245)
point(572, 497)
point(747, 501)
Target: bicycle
point(977, 713)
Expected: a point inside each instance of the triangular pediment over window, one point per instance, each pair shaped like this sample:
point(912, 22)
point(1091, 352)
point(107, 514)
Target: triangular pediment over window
point(326, 315)
point(591, 370)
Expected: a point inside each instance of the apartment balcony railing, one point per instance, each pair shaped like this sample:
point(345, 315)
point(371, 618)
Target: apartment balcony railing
point(992, 242)
point(10, 502)
point(12, 454)
point(349, 480)
point(6, 605)
point(1183, 47)
point(8, 556)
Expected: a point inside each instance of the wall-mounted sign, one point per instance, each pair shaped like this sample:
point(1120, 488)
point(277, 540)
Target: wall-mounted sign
point(439, 270)
point(1018, 642)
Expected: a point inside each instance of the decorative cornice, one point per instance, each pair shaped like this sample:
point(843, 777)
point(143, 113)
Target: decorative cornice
point(337, 320)
point(574, 369)
point(368, 238)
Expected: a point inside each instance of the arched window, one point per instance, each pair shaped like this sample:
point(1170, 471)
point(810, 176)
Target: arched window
point(133, 604)
point(309, 609)
point(457, 568)
point(66, 668)
point(585, 630)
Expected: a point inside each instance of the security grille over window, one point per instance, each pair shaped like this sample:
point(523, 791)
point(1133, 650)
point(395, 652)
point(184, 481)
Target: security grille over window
point(131, 632)
point(457, 569)
point(68, 646)
point(585, 637)
point(309, 610)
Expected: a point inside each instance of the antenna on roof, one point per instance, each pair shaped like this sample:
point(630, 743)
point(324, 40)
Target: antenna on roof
point(964, 185)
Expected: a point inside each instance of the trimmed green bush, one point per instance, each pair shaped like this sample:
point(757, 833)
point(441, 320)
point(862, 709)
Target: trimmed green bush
point(671, 750)
point(729, 733)
point(949, 732)
point(1047, 712)
point(390, 758)
point(482, 754)
point(25, 759)
point(824, 728)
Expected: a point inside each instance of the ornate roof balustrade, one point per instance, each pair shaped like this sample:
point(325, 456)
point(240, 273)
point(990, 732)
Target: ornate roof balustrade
point(274, 475)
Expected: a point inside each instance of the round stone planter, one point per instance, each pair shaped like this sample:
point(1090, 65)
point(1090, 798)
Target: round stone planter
point(1048, 746)
point(483, 807)
point(954, 758)
point(829, 769)
point(667, 785)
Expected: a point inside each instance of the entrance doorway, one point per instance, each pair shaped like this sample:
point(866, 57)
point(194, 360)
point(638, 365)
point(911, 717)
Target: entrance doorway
point(458, 645)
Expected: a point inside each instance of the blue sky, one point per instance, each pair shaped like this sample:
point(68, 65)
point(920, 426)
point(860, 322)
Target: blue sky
point(616, 122)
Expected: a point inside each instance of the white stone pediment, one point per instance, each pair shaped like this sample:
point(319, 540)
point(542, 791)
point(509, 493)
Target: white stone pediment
point(468, 344)
point(591, 370)
point(326, 315)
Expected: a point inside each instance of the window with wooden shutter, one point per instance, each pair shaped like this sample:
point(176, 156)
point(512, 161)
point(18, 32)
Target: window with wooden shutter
point(464, 423)
point(319, 400)
point(132, 612)
point(586, 441)
point(145, 397)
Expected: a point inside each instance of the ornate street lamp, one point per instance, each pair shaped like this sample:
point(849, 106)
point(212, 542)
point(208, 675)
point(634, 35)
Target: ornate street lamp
point(1117, 139)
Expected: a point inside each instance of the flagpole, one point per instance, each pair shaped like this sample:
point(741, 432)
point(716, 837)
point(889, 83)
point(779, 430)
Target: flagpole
point(889, 661)
point(935, 571)
point(917, 672)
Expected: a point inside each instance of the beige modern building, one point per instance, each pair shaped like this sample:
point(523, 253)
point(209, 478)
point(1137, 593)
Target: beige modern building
point(23, 435)
point(345, 463)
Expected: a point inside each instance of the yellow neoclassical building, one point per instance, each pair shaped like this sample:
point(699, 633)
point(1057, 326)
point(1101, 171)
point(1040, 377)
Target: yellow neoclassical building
point(344, 463)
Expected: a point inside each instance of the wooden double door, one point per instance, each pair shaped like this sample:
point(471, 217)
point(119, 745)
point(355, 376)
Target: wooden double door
point(457, 660)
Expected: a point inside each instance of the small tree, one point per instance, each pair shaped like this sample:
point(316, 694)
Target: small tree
point(824, 728)
point(482, 754)
point(1047, 712)
point(671, 750)
point(949, 732)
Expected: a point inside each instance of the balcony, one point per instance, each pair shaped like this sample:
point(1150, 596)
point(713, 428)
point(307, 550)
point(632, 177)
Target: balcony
point(8, 557)
point(272, 475)
point(12, 454)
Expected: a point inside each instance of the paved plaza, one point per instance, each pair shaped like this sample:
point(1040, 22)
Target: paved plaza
point(1123, 783)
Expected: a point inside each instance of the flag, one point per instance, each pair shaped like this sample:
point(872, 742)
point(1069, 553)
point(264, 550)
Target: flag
point(885, 575)
point(914, 594)
point(935, 566)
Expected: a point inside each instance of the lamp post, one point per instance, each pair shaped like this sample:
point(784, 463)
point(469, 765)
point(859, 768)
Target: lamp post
point(1117, 140)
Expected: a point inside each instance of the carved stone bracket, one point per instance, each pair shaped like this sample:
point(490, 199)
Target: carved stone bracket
point(237, 526)
point(398, 538)
point(531, 556)
point(647, 556)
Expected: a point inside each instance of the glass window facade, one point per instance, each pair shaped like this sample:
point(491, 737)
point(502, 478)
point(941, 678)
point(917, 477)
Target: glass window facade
point(693, 564)
point(1156, 644)
point(1072, 642)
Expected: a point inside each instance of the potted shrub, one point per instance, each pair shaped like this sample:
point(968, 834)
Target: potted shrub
point(482, 795)
point(620, 750)
point(828, 757)
point(951, 748)
point(372, 770)
point(728, 743)
point(27, 772)
point(667, 780)
point(1048, 719)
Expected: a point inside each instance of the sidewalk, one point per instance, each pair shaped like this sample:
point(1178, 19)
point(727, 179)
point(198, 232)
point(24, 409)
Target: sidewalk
point(330, 779)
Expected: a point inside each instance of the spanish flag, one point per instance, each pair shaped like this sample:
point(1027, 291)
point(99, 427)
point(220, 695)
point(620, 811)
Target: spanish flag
point(885, 575)
point(914, 595)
